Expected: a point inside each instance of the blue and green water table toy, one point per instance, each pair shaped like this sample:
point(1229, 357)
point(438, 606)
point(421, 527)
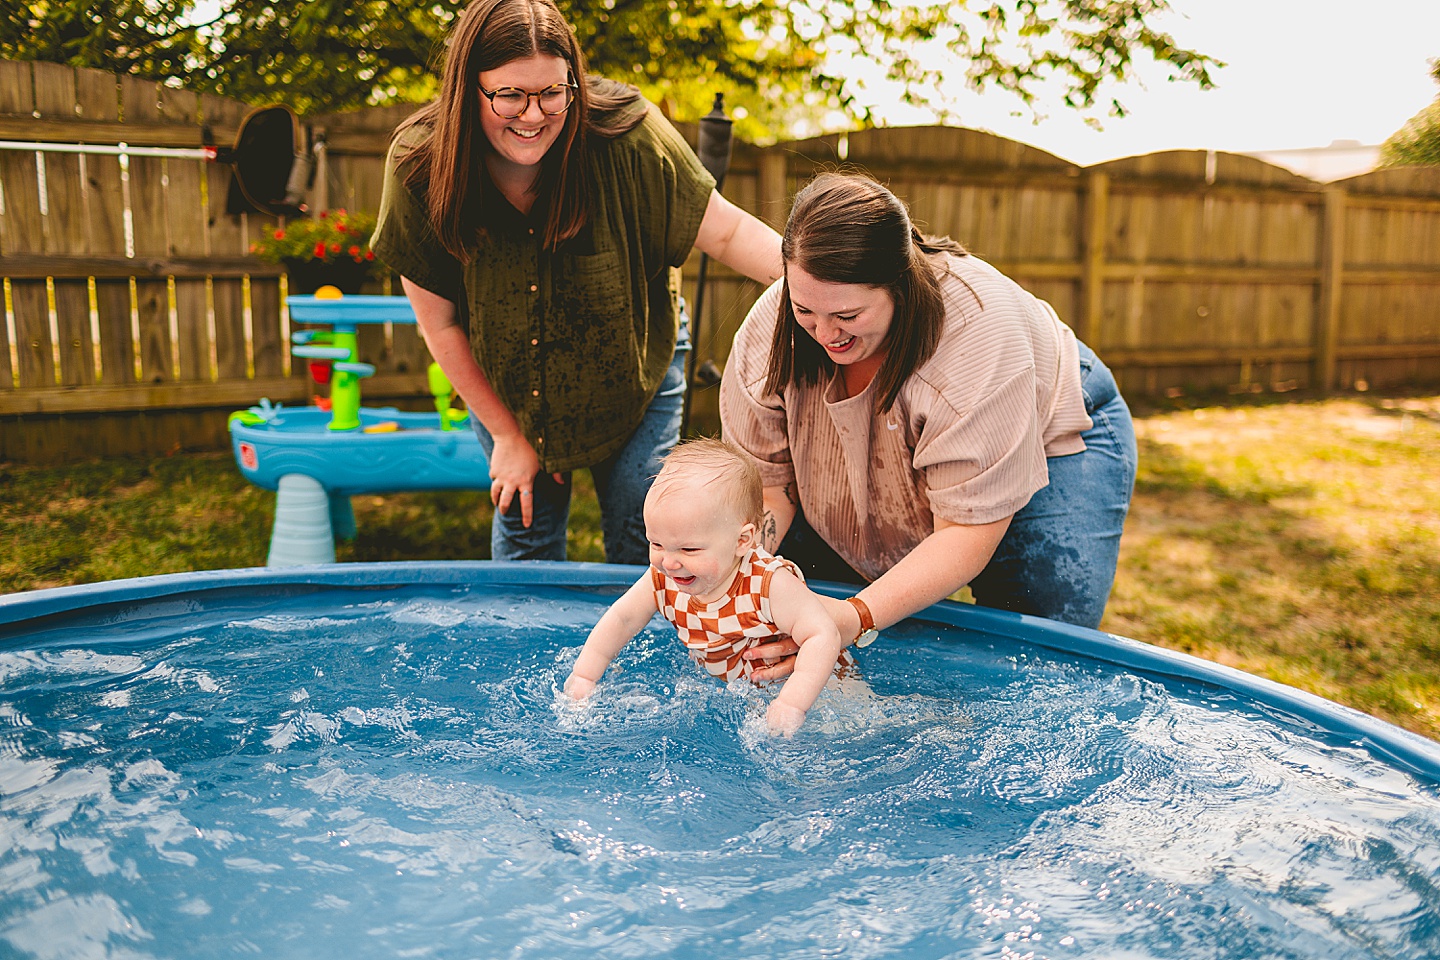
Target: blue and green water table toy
point(316, 459)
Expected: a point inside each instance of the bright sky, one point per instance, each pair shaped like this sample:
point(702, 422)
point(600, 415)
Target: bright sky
point(1301, 73)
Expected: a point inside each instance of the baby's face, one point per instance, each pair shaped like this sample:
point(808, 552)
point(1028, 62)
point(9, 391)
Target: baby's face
point(695, 541)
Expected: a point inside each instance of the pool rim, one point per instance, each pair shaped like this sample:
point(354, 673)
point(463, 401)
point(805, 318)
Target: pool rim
point(29, 611)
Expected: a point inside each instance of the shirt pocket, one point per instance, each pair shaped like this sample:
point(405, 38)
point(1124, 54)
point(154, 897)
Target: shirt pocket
point(597, 290)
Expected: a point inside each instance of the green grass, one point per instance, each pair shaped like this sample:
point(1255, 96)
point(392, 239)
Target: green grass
point(111, 519)
point(1295, 540)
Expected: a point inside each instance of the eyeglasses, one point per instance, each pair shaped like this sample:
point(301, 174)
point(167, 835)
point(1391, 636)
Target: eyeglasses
point(512, 102)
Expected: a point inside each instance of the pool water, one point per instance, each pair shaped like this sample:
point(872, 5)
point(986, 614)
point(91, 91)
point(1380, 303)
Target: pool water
point(350, 773)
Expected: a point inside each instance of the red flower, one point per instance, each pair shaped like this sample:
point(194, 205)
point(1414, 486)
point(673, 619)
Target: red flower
point(334, 236)
point(369, 254)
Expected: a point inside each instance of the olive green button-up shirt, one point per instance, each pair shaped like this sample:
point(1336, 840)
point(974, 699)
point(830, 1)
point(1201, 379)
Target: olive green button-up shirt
point(574, 341)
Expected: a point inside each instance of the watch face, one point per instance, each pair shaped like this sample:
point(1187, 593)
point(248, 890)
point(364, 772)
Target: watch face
point(866, 638)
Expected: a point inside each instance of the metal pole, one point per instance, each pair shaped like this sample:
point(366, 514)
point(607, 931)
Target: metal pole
point(714, 153)
point(35, 146)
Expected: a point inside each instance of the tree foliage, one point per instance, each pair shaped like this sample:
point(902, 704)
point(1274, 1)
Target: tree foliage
point(779, 58)
point(1419, 140)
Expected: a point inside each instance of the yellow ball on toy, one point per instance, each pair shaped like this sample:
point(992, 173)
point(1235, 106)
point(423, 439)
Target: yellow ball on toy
point(329, 292)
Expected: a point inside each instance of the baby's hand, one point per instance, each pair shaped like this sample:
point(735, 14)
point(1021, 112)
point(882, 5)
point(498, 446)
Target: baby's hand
point(783, 719)
point(579, 688)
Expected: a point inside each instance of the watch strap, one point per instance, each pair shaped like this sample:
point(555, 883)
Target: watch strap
point(867, 622)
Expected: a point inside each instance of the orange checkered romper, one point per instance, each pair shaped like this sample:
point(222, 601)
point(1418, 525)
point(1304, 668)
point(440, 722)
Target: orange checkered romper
point(715, 634)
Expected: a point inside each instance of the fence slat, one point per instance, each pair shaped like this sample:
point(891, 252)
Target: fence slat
point(65, 227)
point(226, 235)
point(228, 301)
point(152, 306)
point(32, 334)
point(22, 232)
point(103, 188)
point(72, 324)
point(147, 174)
point(192, 324)
point(1092, 282)
point(117, 349)
point(185, 211)
point(17, 90)
point(1332, 265)
point(265, 328)
point(21, 229)
point(7, 372)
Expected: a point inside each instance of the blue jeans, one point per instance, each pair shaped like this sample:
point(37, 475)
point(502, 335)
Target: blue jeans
point(1058, 557)
point(621, 482)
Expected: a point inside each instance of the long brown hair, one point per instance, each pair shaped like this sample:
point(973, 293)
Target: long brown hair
point(846, 228)
point(446, 165)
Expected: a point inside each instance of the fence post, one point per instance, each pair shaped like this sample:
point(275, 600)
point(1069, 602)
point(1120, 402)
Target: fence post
point(1092, 272)
point(1332, 282)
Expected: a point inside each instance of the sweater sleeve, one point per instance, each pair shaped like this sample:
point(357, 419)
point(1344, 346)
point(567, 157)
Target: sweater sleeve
point(984, 463)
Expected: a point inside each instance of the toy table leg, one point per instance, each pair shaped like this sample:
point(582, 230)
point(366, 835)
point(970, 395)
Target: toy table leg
point(302, 532)
point(342, 517)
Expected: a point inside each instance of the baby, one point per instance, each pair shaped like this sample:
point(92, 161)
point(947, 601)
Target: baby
point(711, 578)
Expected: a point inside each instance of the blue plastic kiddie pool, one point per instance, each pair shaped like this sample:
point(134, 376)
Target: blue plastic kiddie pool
point(374, 761)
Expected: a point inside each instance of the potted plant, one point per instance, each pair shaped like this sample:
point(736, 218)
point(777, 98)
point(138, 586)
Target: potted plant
point(332, 247)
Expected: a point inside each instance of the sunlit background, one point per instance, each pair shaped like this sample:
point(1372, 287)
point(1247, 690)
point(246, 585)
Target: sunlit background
point(1300, 74)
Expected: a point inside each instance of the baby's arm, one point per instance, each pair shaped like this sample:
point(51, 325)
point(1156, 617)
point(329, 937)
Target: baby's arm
point(625, 618)
point(799, 613)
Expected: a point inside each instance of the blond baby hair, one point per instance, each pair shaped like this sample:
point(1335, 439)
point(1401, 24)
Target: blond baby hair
point(728, 474)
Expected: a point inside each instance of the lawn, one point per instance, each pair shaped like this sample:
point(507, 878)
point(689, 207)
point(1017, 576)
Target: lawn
point(1297, 540)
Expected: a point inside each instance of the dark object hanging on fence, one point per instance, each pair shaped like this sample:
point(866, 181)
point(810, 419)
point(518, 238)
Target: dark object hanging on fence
point(714, 152)
point(269, 171)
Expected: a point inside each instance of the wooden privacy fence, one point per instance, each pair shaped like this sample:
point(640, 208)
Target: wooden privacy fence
point(135, 319)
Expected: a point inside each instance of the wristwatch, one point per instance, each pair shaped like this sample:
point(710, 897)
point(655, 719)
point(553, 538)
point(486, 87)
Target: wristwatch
point(868, 633)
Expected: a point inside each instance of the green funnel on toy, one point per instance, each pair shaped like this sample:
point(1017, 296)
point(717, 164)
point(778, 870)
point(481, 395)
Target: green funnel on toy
point(442, 390)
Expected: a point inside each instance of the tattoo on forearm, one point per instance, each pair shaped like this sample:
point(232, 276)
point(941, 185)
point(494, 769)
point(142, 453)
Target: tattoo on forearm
point(768, 538)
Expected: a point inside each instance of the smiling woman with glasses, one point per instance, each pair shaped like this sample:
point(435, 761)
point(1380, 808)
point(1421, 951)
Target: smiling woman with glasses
point(538, 218)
